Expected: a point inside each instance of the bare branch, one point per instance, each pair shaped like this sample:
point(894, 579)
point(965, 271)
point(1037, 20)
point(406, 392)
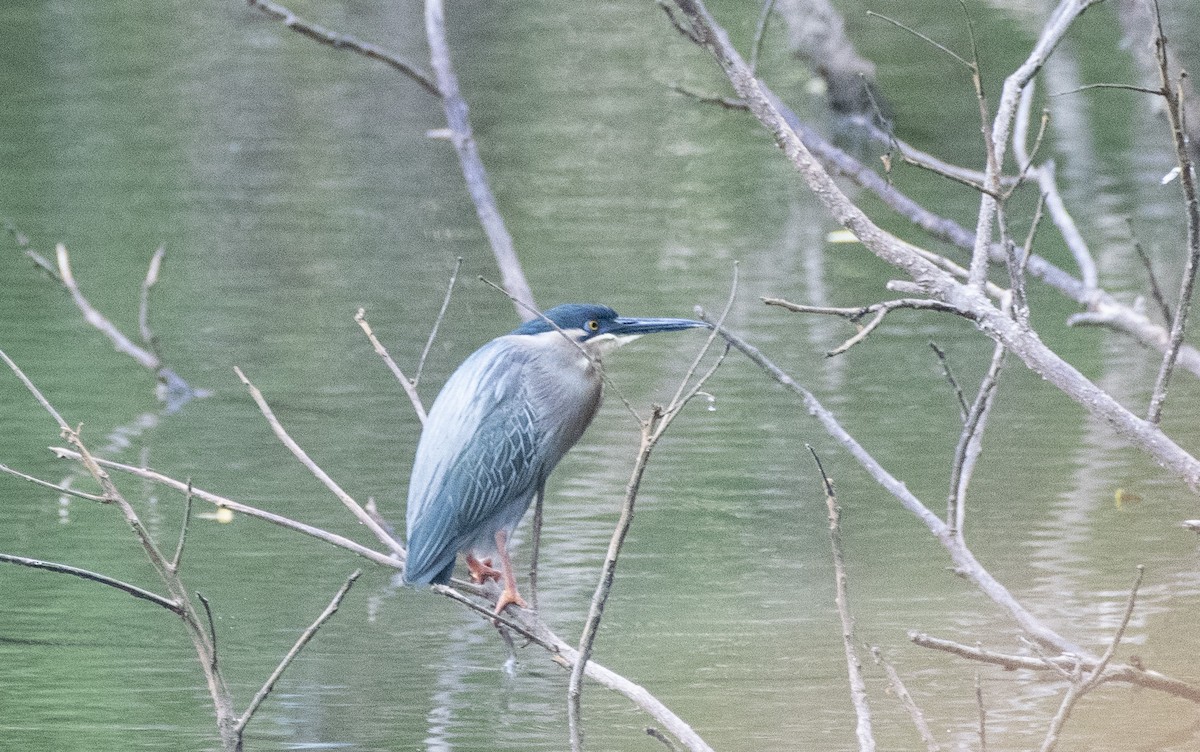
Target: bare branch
point(896, 684)
point(40, 261)
point(970, 442)
point(655, 733)
point(1080, 685)
point(876, 310)
point(1052, 33)
point(123, 344)
point(982, 710)
point(355, 508)
point(964, 561)
point(437, 322)
point(112, 582)
point(303, 640)
point(759, 30)
point(1173, 94)
point(858, 688)
point(933, 280)
point(240, 508)
point(1156, 292)
point(923, 37)
point(963, 408)
point(63, 489)
point(1129, 674)
point(409, 385)
point(468, 156)
point(183, 528)
point(345, 42)
point(144, 302)
point(652, 430)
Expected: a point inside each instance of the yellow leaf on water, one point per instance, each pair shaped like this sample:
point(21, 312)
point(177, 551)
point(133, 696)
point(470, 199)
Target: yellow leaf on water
point(1123, 497)
point(841, 236)
point(224, 515)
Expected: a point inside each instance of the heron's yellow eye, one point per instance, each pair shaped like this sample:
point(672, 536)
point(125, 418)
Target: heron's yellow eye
point(593, 325)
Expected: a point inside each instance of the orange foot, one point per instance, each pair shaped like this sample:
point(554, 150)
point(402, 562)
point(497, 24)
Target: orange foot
point(508, 597)
point(482, 571)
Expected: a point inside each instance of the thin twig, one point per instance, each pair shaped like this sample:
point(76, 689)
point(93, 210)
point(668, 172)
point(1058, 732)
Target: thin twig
point(655, 733)
point(355, 508)
point(40, 261)
point(123, 344)
point(54, 486)
point(183, 527)
point(212, 629)
point(963, 409)
point(303, 640)
point(759, 30)
point(437, 322)
point(877, 311)
point(896, 685)
point(923, 37)
point(1187, 185)
point(729, 103)
point(134, 590)
point(1063, 664)
point(235, 506)
point(1081, 684)
point(345, 42)
point(981, 709)
point(970, 442)
point(652, 430)
point(535, 545)
point(1156, 292)
point(409, 385)
point(1066, 226)
point(858, 688)
point(144, 302)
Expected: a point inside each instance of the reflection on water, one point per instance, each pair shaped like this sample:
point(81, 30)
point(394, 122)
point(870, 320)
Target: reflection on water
point(292, 185)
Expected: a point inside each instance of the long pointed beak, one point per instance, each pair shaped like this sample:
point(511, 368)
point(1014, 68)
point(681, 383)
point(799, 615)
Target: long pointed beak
point(636, 327)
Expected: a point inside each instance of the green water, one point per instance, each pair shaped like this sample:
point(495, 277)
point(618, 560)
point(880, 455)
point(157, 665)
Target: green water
point(292, 184)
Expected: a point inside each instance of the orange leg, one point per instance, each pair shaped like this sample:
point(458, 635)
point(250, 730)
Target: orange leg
point(482, 571)
point(509, 595)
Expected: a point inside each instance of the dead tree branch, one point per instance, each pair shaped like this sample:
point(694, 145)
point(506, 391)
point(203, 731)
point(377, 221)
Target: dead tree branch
point(345, 42)
point(969, 299)
point(473, 171)
point(858, 688)
point(652, 430)
point(1173, 96)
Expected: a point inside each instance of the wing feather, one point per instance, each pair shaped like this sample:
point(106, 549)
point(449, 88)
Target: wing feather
point(475, 469)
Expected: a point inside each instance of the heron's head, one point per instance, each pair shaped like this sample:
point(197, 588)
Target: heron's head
point(598, 326)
